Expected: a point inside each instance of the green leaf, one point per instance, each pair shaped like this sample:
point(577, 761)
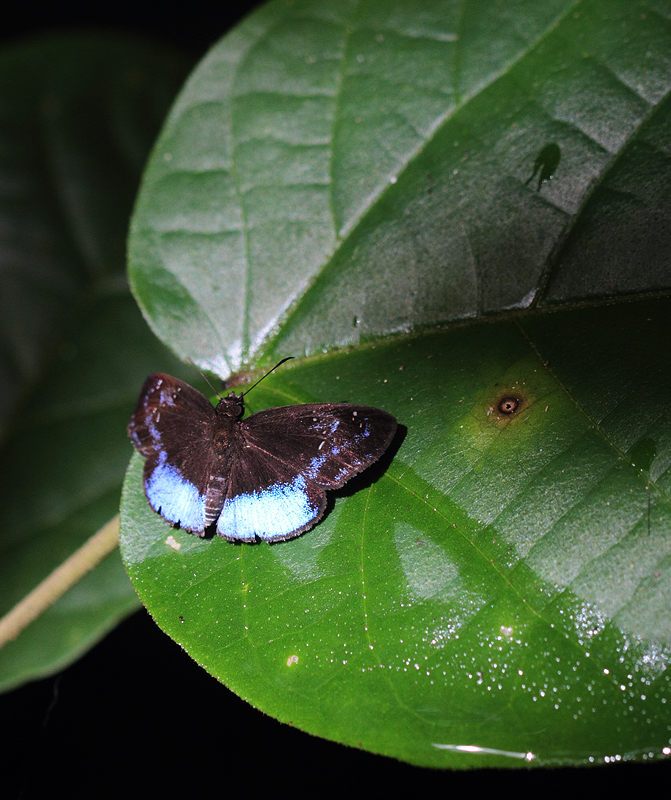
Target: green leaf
point(77, 120)
point(328, 176)
point(333, 176)
point(503, 585)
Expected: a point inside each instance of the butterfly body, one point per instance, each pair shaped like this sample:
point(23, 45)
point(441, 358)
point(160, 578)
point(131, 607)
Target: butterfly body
point(262, 477)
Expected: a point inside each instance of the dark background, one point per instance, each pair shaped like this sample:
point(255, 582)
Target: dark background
point(136, 715)
point(192, 26)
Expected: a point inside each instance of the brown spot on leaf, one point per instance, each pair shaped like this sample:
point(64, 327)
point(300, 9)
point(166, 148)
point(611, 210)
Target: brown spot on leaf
point(508, 404)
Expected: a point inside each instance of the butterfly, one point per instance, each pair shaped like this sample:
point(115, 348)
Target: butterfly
point(263, 477)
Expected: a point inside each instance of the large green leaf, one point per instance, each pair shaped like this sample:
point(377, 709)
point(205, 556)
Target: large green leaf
point(332, 175)
point(503, 586)
point(77, 119)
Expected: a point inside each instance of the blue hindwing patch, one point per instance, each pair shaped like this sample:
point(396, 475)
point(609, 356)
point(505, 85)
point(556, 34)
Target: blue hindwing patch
point(175, 498)
point(271, 513)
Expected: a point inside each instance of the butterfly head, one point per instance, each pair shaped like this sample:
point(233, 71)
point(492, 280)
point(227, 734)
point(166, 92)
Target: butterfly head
point(232, 406)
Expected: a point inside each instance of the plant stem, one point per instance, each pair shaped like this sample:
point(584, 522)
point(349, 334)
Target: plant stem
point(59, 581)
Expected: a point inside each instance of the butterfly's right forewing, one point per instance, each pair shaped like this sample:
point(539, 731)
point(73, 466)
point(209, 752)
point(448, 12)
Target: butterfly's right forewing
point(327, 443)
point(284, 459)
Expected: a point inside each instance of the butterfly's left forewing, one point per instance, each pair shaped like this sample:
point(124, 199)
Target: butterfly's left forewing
point(172, 427)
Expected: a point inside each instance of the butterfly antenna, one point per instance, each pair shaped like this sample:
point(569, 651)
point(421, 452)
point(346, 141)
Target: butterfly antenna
point(279, 364)
point(204, 376)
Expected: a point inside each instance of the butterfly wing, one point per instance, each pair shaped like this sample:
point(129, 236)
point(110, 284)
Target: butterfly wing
point(172, 427)
point(288, 456)
point(267, 501)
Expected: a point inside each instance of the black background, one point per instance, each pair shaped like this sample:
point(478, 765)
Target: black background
point(136, 715)
point(192, 27)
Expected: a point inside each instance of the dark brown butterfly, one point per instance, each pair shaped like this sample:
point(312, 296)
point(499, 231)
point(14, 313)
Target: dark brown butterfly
point(263, 477)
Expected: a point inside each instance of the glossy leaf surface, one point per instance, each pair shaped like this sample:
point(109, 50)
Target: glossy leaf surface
point(77, 120)
point(503, 586)
point(332, 175)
